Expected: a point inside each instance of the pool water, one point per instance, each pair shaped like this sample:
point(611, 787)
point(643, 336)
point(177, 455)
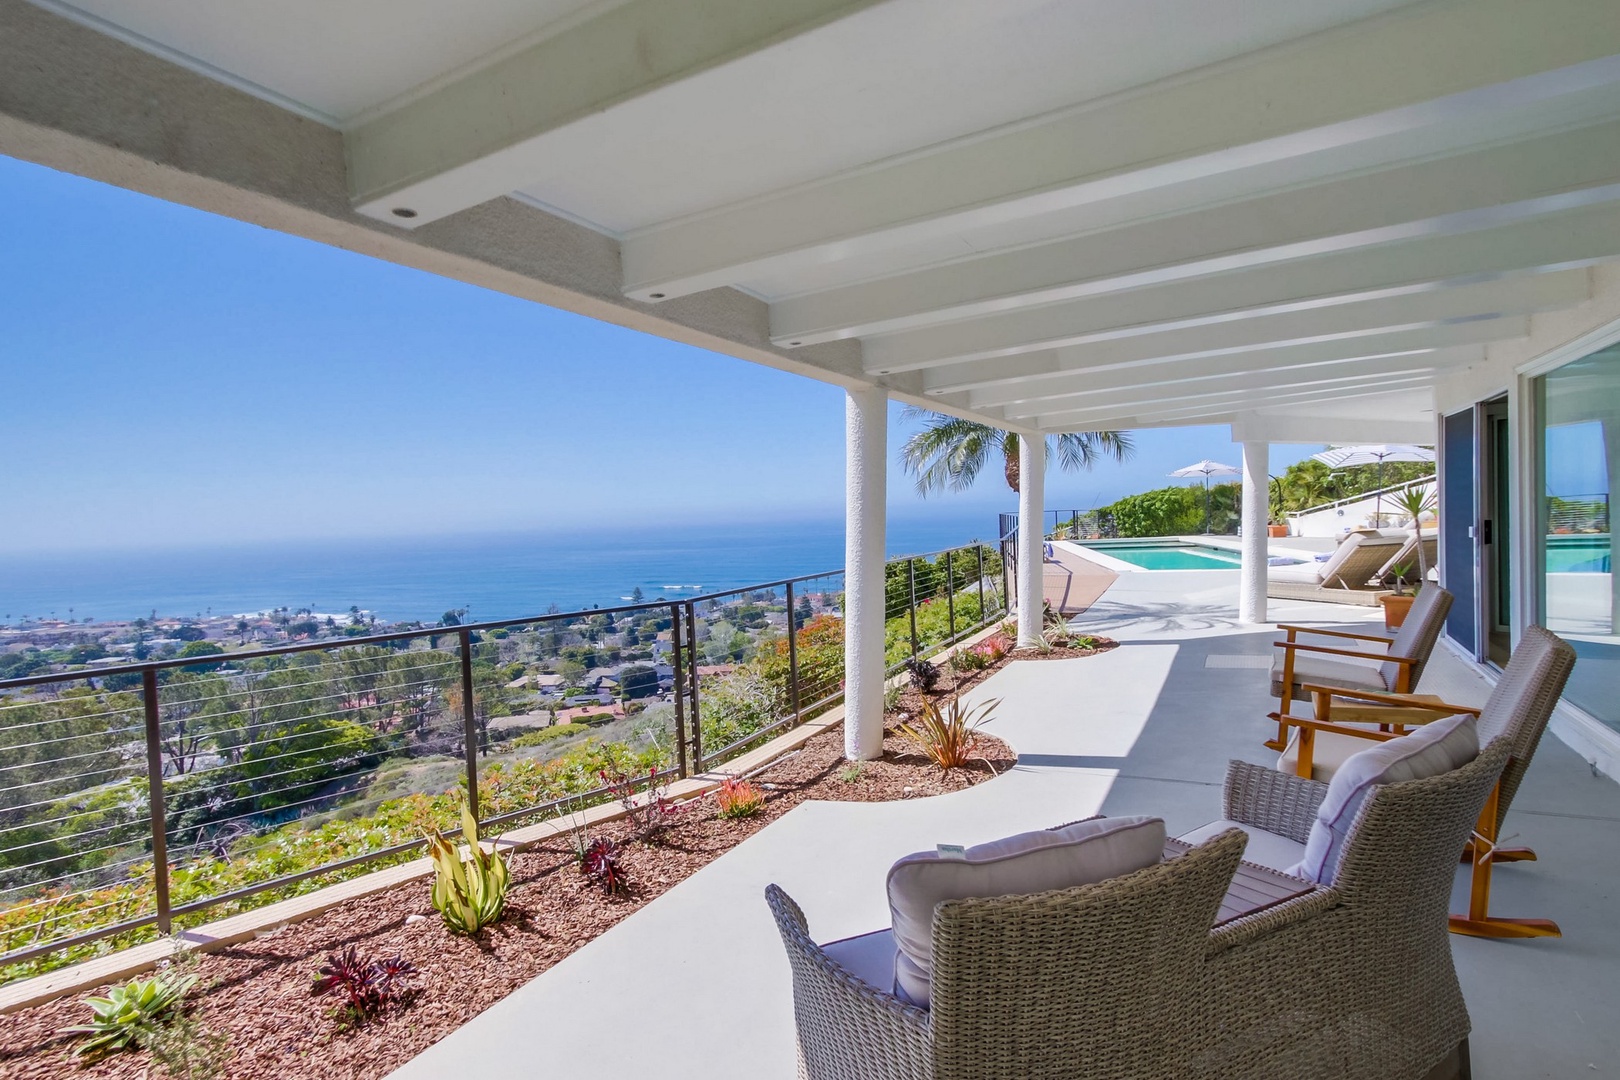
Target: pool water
point(1168, 555)
point(1587, 554)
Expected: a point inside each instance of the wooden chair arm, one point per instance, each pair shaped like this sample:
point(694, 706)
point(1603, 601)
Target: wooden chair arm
point(1336, 729)
point(1380, 657)
point(1407, 701)
point(1336, 633)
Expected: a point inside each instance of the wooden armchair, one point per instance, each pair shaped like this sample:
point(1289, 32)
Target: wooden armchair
point(1518, 709)
point(1395, 670)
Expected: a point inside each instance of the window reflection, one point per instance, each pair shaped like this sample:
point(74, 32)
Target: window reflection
point(1579, 410)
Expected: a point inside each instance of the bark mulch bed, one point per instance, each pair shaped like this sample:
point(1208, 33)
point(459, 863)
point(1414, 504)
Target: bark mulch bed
point(258, 993)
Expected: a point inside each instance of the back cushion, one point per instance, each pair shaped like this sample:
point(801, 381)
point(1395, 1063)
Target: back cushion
point(1432, 750)
point(1079, 854)
point(1418, 633)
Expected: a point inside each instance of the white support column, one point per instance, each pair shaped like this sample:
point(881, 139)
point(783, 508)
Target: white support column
point(866, 431)
point(1256, 516)
point(1031, 536)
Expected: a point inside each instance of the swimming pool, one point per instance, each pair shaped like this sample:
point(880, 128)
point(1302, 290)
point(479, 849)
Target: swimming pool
point(1166, 554)
point(1579, 554)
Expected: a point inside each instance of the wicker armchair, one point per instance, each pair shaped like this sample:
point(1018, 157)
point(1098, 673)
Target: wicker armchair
point(1126, 979)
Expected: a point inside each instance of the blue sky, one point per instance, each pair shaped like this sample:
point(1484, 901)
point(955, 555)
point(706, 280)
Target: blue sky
point(174, 378)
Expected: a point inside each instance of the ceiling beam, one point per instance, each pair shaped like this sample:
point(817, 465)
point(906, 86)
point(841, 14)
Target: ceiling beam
point(1470, 191)
point(1240, 394)
point(1397, 390)
point(1572, 239)
point(1302, 428)
point(1251, 382)
point(481, 136)
point(1413, 311)
point(947, 383)
point(1205, 370)
point(1360, 82)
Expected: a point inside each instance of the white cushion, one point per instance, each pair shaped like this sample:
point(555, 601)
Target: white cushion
point(1321, 670)
point(1264, 848)
point(1329, 752)
point(869, 957)
point(1432, 750)
point(1079, 854)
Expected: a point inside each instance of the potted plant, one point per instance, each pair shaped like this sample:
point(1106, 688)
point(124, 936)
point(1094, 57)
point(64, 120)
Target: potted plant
point(1414, 502)
point(1399, 602)
point(1278, 523)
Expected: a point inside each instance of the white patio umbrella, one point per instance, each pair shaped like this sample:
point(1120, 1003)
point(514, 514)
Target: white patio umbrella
point(1206, 469)
point(1339, 457)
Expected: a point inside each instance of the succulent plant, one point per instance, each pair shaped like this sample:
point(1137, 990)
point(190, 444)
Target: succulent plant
point(470, 893)
point(924, 674)
point(129, 1012)
point(600, 862)
point(367, 986)
point(739, 799)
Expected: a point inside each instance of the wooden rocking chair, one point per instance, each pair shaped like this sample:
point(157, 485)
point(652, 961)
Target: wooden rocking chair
point(1519, 708)
point(1395, 671)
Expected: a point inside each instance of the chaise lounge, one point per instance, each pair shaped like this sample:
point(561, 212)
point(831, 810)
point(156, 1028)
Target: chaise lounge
point(1343, 578)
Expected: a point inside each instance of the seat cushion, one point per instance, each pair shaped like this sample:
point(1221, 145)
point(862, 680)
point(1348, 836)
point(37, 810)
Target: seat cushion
point(1305, 573)
point(1316, 668)
point(1329, 752)
point(1430, 751)
point(1079, 854)
point(1264, 848)
point(869, 957)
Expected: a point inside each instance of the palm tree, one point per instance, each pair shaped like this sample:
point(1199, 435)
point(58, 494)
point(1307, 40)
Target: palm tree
point(948, 453)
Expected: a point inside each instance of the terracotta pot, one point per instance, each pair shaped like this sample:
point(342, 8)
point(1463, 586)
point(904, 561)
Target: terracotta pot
point(1276, 530)
point(1395, 609)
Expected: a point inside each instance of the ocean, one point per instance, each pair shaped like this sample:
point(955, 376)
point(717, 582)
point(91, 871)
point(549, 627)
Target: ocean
point(493, 576)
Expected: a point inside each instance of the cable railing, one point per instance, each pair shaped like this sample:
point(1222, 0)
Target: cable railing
point(143, 798)
point(1578, 513)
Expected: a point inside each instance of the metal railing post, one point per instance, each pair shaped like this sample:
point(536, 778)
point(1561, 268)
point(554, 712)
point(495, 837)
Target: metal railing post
point(793, 656)
point(911, 591)
point(154, 788)
point(678, 691)
point(984, 610)
point(692, 675)
point(469, 720)
point(950, 595)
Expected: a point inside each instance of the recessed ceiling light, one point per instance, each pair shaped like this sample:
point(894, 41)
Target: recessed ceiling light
point(655, 296)
point(793, 343)
point(404, 212)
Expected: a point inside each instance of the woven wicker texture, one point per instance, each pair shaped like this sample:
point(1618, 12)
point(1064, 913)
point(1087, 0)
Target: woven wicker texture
point(1126, 979)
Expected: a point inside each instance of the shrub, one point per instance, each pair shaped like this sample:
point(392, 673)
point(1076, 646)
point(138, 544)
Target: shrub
point(366, 987)
point(851, 772)
point(548, 734)
point(647, 814)
point(949, 734)
point(739, 799)
point(129, 1012)
point(469, 894)
point(599, 861)
point(924, 675)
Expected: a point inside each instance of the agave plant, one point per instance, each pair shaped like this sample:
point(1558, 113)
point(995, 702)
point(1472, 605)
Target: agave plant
point(949, 734)
point(469, 893)
point(129, 1012)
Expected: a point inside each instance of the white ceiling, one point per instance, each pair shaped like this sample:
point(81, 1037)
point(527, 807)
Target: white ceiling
point(334, 59)
point(1052, 214)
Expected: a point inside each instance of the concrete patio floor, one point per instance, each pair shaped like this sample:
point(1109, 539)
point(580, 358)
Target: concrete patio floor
point(698, 981)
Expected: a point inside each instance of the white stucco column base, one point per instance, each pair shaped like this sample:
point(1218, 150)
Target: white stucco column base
point(1031, 536)
point(866, 431)
point(1256, 516)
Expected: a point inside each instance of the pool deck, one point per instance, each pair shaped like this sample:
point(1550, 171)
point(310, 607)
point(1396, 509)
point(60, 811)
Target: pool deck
point(699, 977)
